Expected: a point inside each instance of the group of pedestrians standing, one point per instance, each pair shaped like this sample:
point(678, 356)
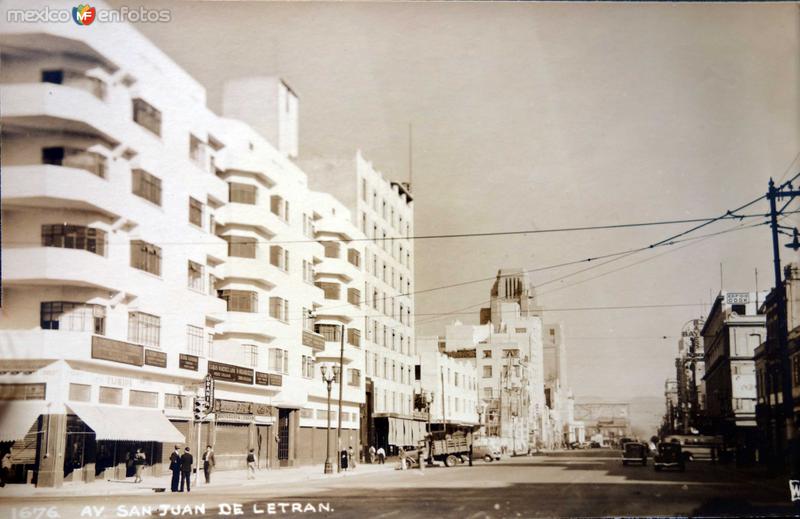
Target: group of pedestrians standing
point(379, 455)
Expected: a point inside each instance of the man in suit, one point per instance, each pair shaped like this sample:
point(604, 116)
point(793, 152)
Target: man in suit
point(186, 469)
point(175, 467)
point(208, 463)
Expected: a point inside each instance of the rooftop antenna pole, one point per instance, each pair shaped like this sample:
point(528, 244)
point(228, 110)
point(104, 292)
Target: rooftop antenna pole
point(410, 155)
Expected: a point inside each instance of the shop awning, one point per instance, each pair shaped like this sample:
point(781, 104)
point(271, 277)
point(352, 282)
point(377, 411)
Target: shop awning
point(127, 424)
point(17, 417)
point(405, 432)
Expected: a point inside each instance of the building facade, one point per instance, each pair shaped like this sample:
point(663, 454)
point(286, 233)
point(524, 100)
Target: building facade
point(383, 211)
point(732, 331)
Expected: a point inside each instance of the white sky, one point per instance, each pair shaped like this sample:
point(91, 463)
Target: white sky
point(534, 116)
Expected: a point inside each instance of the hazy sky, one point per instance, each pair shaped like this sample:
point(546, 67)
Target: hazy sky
point(534, 116)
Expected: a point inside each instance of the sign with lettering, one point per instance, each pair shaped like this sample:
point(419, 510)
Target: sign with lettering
point(188, 362)
point(230, 372)
point(268, 379)
point(22, 391)
point(242, 408)
point(155, 358)
point(117, 351)
point(315, 340)
point(737, 298)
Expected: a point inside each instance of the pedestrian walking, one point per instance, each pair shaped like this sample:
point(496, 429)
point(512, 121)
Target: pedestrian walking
point(251, 465)
point(208, 463)
point(5, 468)
point(343, 459)
point(351, 457)
point(187, 460)
point(139, 460)
point(402, 455)
point(371, 454)
point(175, 467)
point(381, 455)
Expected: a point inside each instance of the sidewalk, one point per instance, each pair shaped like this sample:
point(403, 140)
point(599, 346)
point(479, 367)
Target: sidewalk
point(220, 480)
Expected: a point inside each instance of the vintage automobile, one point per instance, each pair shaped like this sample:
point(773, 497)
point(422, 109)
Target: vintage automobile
point(634, 452)
point(669, 455)
point(698, 447)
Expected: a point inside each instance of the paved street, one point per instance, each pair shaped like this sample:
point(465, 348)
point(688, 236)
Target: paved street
point(583, 483)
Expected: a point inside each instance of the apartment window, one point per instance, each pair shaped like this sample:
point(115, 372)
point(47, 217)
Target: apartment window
point(173, 401)
point(354, 257)
point(364, 189)
point(195, 212)
point(147, 116)
point(279, 360)
point(80, 392)
point(241, 246)
point(308, 320)
point(383, 209)
point(212, 284)
point(552, 332)
point(144, 329)
point(375, 200)
point(364, 224)
point(520, 330)
point(146, 256)
point(194, 341)
point(146, 186)
point(332, 290)
point(74, 237)
point(354, 377)
point(195, 273)
point(197, 151)
point(142, 398)
point(240, 300)
point(511, 353)
point(279, 207)
point(308, 366)
point(279, 257)
point(308, 271)
point(76, 158)
point(110, 395)
point(375, 297)
point(354, 337)
point(250, 355)
point(487, 372)
point(279, 309)
point(385, 368)
point(74, 317)
point(329, 331)
point(242, 193)
point(331, 249)
point(354, 296)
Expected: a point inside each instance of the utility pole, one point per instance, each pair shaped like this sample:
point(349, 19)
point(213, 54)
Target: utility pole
point(339, 413)
point(773, 195)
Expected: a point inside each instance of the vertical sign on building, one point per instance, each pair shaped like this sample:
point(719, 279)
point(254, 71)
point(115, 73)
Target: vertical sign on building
point(209, 394)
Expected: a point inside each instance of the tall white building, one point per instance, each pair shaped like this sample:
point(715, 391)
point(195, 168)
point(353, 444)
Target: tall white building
point(151, 246)
point(384, 213)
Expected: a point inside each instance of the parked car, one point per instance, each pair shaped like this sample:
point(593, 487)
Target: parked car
point(487, 453)
point(634, 452)
point(669, 455)
point(595, 445)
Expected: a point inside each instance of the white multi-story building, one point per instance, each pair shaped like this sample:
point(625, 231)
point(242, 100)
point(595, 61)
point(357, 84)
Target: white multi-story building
point(151, 246)
point(384, 213)
point(451, 385)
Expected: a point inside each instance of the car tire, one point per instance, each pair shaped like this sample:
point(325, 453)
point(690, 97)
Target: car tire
point(487, 459)
point(450, 461)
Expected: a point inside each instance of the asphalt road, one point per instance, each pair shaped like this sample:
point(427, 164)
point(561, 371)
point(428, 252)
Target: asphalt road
point(569, 484)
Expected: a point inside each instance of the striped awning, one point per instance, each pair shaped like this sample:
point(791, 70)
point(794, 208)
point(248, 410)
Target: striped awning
point(405, 432)
point(127, 423)
point(18, 416)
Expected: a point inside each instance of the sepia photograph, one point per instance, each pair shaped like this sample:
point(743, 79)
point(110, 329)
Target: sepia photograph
point(399, 259)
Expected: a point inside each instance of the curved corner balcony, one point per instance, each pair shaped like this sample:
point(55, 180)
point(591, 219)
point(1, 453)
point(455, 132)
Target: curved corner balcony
point(253, 216)
point(344, 229)
point(341, 268)
point(60, 267)
point(43, 185)
point(333, 350)
point(260, 271)
point(47, 106)
point(255, 324)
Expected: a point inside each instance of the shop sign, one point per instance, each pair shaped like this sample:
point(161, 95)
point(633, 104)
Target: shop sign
point(155, 358)
point(737, 298)
point(268, 379)
point(117, 351)
point(188, 362)
point(230, 372)
point(22, 391)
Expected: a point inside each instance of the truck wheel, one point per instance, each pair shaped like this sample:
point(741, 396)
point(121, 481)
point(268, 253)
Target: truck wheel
point(450, 461)
point(487, 459)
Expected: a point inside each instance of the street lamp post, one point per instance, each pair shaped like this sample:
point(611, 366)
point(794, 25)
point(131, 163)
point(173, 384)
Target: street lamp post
point(428, 402)
point(327, 376)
